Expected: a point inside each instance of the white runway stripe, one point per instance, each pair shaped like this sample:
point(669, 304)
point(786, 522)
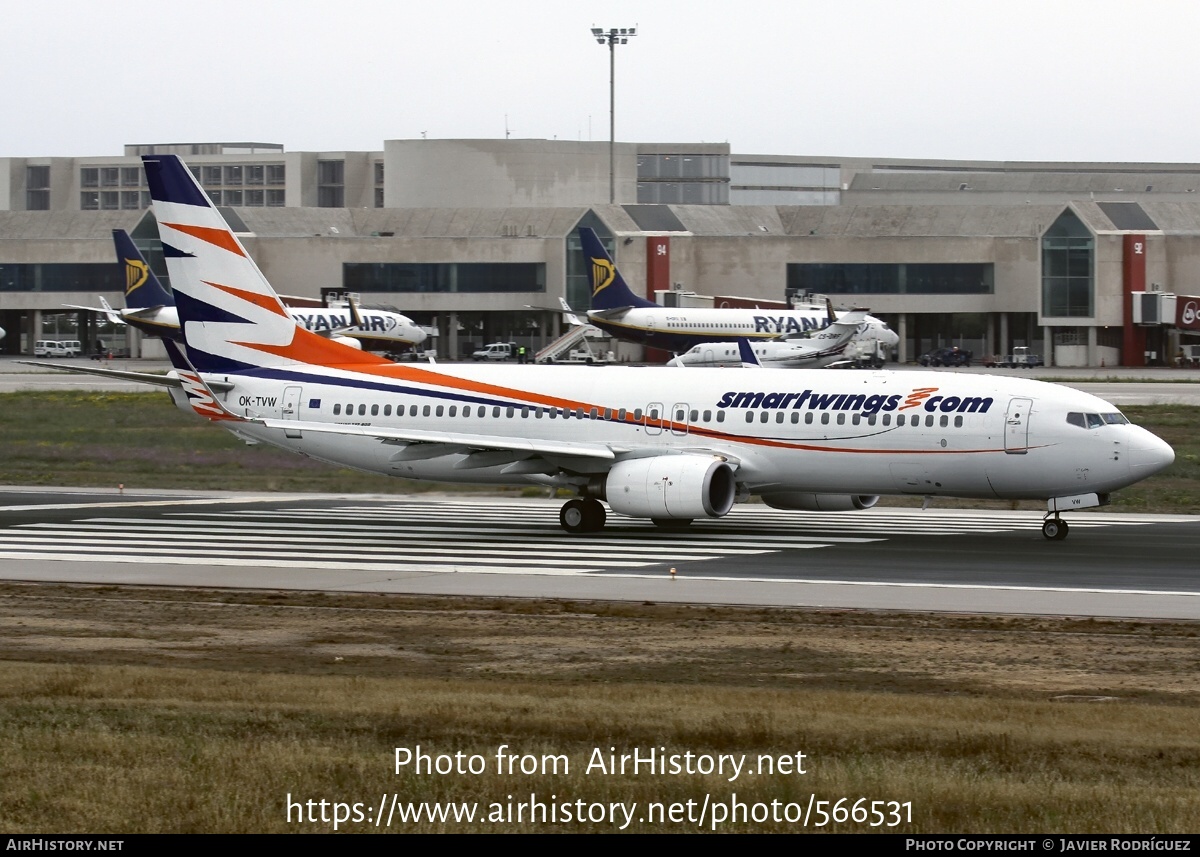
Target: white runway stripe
point(487, 535)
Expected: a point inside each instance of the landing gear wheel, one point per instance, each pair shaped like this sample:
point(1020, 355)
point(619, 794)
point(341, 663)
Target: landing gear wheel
point(582, 515)
point(573, 516)
point(672, 523)
point(1055, 529)
point(593, 515)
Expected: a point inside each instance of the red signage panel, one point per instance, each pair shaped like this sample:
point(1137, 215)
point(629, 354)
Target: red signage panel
point(1187, 312)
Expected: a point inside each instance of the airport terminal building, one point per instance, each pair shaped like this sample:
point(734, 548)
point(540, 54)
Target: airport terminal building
point(1088, 264)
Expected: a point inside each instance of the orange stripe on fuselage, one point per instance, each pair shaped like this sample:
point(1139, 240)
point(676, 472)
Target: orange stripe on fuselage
point(308, 347)
point(222, 238)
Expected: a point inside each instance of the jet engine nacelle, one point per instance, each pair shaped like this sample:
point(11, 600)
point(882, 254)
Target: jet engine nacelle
point(348, 340)
point(671, 486)
point(798, 501)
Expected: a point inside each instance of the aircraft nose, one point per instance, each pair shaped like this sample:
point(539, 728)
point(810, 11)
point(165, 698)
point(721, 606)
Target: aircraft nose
point(1148, 454)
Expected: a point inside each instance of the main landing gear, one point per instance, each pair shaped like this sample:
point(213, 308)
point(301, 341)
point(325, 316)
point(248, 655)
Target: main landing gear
point(582, 515)
point(1055, 528)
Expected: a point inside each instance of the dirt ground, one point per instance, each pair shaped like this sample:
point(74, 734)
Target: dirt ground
point(558, 641)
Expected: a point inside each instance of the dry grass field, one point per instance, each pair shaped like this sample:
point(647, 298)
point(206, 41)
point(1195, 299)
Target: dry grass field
point(130, 710)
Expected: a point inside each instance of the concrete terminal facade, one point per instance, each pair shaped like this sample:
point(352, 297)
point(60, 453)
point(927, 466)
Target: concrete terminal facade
point(478, 238)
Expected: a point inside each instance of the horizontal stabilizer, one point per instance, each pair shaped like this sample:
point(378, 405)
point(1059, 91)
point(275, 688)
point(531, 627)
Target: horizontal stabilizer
point(168, 380)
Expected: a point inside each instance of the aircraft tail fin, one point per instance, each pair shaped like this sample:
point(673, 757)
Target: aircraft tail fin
point(230, 317)
point(749, 358)
point(142, 288)
point(609, 291)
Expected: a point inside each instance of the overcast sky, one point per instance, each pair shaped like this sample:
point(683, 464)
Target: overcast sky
point(1069, 80)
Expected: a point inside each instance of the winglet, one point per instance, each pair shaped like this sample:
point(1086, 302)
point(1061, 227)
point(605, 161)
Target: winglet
point(569, 314)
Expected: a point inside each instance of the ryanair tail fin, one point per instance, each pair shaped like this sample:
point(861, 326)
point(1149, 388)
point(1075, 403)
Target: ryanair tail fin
point(609, 291)
point(230, 317)
point(142, 288)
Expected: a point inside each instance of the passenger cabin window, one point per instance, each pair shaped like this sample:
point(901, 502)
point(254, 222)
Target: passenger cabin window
point(337, 409)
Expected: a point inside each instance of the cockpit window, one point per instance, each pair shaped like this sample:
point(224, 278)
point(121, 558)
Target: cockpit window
point(1091, 421)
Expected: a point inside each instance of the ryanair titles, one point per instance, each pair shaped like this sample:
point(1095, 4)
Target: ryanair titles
point(921, 397)
point(787, 324)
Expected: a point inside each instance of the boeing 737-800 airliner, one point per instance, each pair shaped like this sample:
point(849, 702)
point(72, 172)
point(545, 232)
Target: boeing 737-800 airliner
point(666, 444)
point(619, 312)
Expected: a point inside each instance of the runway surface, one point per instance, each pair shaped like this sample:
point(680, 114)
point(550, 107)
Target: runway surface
point(900, 559)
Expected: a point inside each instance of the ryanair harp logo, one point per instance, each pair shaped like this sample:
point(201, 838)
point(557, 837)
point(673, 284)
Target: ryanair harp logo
point(136, 274)
point(603, 273)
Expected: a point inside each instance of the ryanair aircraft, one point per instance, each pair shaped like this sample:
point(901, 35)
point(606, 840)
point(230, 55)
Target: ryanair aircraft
point(151, 308)
point(619, 312)
point(667, 444)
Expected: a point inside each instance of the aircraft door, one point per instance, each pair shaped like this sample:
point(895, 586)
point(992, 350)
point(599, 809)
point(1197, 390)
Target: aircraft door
point(653, 418)
point(291, 408)
point(709, 357)
point(1016, 426)
point(679, 423)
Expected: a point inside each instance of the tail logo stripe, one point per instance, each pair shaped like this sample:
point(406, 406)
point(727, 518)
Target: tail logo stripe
point(222, 238)
point(262, 301)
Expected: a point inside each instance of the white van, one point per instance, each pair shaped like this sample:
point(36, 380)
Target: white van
point(53, 348)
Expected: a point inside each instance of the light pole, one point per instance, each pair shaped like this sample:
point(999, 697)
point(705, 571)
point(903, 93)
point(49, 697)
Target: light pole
point(613, 37)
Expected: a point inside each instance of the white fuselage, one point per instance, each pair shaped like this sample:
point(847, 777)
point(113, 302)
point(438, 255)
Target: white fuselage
point(861, 433)
point(681, 329)
point(817, 350)
point(377, 324)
